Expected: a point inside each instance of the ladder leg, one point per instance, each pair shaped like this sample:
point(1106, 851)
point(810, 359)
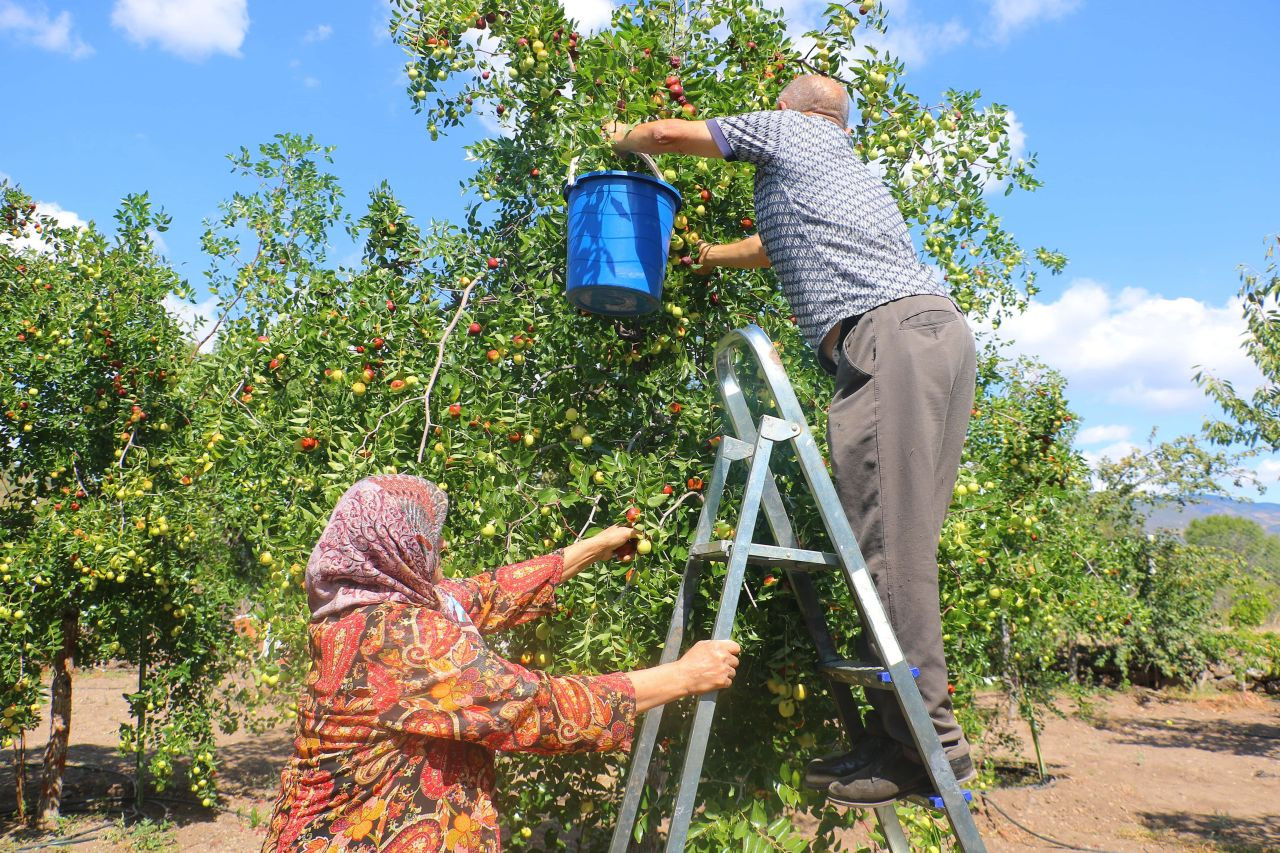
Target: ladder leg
point(876, 620)
point(642, 754)
point(854, 567)
point(894, 837)
point(811, 611)
point(686, 798)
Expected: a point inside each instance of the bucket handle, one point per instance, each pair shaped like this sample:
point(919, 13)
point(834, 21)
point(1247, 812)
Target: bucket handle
point(648, 161)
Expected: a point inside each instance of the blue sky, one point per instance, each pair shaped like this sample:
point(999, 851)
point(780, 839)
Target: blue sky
point(1155, 125)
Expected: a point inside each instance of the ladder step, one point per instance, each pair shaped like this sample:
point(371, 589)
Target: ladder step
point(862, 674)
point(797, 559)
point(933, 801)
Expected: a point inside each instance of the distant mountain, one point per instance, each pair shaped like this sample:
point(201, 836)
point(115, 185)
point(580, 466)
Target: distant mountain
point(1175, 517)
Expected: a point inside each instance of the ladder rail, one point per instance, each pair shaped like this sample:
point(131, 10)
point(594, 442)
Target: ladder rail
point(757, 444)
point(739, 413)
point(704, 713)
point(894, 838)
point(753, 339)
point(642, 755)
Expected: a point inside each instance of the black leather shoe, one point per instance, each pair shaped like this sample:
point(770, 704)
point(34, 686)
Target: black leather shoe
point(821, 772)
point(892, 776)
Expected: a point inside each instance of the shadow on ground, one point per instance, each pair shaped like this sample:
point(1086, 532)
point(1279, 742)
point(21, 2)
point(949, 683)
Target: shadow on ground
point(1260, 739)
point(99, 782)
point(1224, 832)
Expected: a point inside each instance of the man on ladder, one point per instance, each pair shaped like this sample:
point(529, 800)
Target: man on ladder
point(904, 365)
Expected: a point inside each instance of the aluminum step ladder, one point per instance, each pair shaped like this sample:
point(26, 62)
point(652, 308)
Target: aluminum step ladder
point(754, 443)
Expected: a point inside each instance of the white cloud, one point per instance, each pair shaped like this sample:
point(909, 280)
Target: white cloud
point(497, 125)
point(318, 34)
point(1114, 452)
point(65, 218)
point(1268, 471)
point(916, 42)
point(588, 14)
point(1010, 16)
point(909, 38)
point(191, 29)
point(33, 240)
point(489, 119)
point(157, 240)
point(197, 318)
point(33, 25)
point(1134, 347)
point(1017, 136)
point(310, 82)
point(1103, 433)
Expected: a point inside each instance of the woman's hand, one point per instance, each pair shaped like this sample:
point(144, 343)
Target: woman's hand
point(709, 665)
point(584, 552)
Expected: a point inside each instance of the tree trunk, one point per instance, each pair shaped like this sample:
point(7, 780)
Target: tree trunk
point(140, 744)
point(55, 753)
point(20, 775)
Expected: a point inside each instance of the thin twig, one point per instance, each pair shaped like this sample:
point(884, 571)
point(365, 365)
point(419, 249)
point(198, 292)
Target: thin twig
point(676, 505)
point(213, 331)
point(127, 445)
point(435, 371)
point(76, 470)
point(511, 528)
point(378, 424)
point(595, 505)
point(1087, 564)
point(235, 396)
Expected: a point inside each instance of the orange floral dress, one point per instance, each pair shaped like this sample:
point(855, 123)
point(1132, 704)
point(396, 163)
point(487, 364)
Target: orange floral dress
point(405, 706)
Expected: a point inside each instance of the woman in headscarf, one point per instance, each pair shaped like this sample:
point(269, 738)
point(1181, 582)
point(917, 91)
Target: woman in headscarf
point(405, 704)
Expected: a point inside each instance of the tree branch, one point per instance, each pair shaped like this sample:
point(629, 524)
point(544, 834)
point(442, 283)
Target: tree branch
point(435, 371)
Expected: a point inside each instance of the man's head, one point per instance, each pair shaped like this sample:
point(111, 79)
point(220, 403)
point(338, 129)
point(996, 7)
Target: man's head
point(816, 94)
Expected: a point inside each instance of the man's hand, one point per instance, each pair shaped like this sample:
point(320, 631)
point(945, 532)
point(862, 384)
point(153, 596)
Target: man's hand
point(664, 136)
point(703, 265)
point(615, 132)
point(747, 254)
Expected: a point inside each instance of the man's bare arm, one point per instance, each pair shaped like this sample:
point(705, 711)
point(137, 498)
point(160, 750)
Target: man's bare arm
point(665, 136)
point(748, 254)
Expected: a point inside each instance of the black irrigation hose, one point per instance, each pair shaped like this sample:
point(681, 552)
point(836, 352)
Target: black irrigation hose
point(986, 799)
point(91, 834)
point(66, 840)
point(79, 837)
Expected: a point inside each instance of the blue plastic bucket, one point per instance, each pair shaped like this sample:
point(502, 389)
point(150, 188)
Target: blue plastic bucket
point(619, 233)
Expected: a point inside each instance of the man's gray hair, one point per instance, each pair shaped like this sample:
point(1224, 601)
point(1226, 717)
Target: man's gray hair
point(814, 93)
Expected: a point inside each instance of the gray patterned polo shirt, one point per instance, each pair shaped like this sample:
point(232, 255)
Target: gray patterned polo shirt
point(834, 235)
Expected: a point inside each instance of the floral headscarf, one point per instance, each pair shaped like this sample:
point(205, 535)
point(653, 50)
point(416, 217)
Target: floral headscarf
point(382, 543)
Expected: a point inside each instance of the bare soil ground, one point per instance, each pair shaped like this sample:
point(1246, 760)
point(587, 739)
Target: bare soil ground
point(1133, 771)
point(1146, 771)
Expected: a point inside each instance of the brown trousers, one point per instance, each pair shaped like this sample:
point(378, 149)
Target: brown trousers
point(904, 390)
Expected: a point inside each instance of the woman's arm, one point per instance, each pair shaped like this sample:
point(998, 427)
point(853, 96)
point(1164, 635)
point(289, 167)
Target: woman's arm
point(519, 593)
point(509, 595)
point(708, 665)
point(449, 684)
point(584, 552)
